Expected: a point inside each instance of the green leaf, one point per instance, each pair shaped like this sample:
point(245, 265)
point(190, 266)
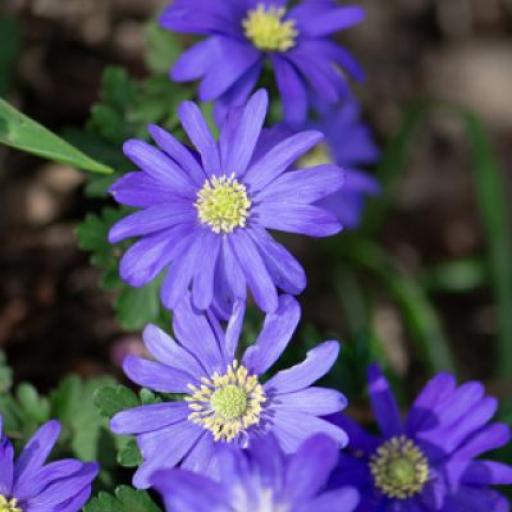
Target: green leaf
point(73, 404)
point(455, 276)
point(20, 132)
point(492, 200)
point(129, 455)
point(5, 374)
point(112, 399)
point(9, 51)
point(32, 404)
point(138, 307)
point(126, 499)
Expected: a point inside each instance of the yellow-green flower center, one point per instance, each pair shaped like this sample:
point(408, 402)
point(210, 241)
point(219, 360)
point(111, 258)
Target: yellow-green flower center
point(223, 204)
point(9, 505)
point(228, 404)
point(319, 155)
point(266, 29)
point(399, 468)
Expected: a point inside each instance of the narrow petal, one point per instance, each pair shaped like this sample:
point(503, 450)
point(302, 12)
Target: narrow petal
point(297, 218)
point(147, 418)
point(255, 272)
point(488, 472)
point(139, 190)
point(304, 186)
point(201, 457)
point(181, 272)
point(7, 465)
point(152, 219)
point(316, 22)
point(145, 259)
point(292, 428)
point(195, 333)
point(160, 167)
point(247, 133)
point(166, 351)
point(309, 469)
point(292, 90)
point(232, 273)
point(164, 449)
point(189, 492)
point(157, 376)
point(200, 135)
point(315, 401)
point(318, 362)
point(36, 451)
point(384, 405)
point(179, 153)
point(279, 159)
point(277, 332)
point(233, 60)
point(489, 438)
point(194, 62)
point(286, 272)
point(203, 289)
point(234, 329)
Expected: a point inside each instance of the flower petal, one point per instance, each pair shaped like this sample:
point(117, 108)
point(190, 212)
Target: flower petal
point(313, 400)
point(203, 284)
point(255, 272)
point(157, 376)
point(273, 339)
point(296, 218)
point(200, 135)
point(384, 405)
point(318, 362)
point(147, 418)
point(279, 159)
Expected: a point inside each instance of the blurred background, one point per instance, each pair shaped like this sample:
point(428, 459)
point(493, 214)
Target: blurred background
point(429, 271)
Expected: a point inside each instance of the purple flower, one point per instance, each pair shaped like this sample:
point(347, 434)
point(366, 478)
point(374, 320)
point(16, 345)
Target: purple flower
point(224, 398)
point(244, 34)
point(28, 485)
point(221, 205)
point(261, 479)
point(349, 144)
point(427, 462)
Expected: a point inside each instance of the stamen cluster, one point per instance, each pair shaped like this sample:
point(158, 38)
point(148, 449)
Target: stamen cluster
point(223, 204)
point(228, 404)
point(399, 468)
point(9, 505)
point(265, 28)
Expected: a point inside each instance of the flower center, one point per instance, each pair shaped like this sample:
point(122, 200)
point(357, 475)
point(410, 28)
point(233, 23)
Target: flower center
point(223, 204)
point(399, 468)
point(265, 28)
point(9, 505)
point(319, 155)
point(227, 404)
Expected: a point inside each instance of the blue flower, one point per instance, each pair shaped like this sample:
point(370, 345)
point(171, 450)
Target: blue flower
point(427, 462)
point(28, 485)
point(261, 479)
point(349, 144)
point(244, 34)
point(224, 398)
point(219, 205)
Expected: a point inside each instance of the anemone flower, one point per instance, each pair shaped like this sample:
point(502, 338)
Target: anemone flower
point(29, 485)
point(224, 399)
point(205, 220)
point(261, 479)
point(427, 462)
point(243, 35)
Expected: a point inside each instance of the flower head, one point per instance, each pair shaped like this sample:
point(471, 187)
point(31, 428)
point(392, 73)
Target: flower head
point(225, 399)
point(245, 34)
point(427, 462)
point(261, 479)
point(29, 485)
point(220, 203)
